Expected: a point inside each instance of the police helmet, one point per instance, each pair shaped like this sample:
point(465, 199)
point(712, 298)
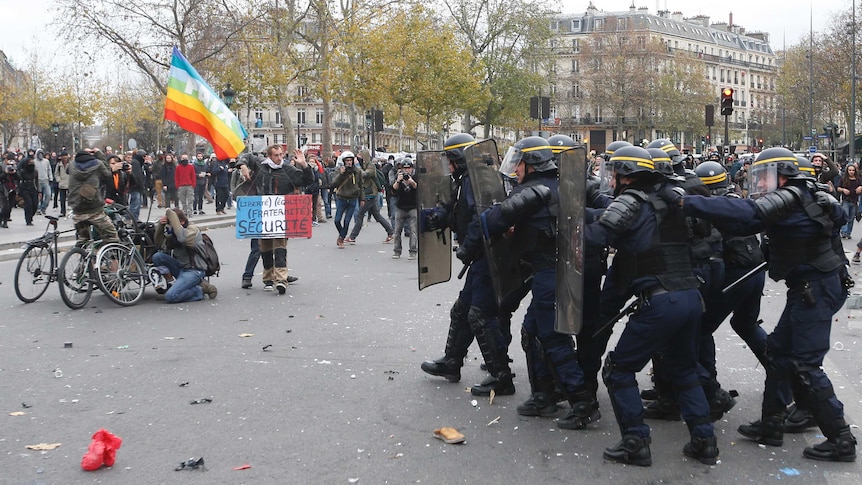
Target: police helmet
point(663, 163)
point(561, 143)
point(806, 168)
point(613, 147)
point(771, 163)
point(534, 151)
point(453, 149)
point(712, 174)
point(632, 160)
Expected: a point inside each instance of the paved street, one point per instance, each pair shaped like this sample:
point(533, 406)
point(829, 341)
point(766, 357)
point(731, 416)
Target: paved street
point(327, 388)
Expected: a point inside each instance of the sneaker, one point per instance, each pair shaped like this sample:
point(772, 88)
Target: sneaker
point(281, 286)
point(267, 286)
point(209, 289)
point(396, 256)
point(856, 258)
point(388, 239)
point(315, 223)
point(340, 242)
point(292, 279)
point(412, 256)
point(246, 283)
point(349, 240)
point(201, 212)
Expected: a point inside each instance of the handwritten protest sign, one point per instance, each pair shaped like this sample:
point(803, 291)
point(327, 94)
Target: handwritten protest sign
point(273, 216)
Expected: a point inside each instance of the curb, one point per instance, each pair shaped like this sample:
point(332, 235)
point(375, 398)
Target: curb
point(12, 251)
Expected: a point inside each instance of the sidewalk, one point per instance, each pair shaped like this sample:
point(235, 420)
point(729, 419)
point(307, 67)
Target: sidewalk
point(13, 239)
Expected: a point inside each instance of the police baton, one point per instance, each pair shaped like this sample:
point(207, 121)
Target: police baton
point(631, 308)
point(742, 279)
point(464, 270)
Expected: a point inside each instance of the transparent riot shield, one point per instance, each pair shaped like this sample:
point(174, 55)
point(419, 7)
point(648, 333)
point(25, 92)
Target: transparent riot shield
point(434, 185)
point(570, 240)
point(483, 165)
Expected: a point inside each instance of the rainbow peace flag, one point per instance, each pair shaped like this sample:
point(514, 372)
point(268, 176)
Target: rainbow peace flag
point(193, 105)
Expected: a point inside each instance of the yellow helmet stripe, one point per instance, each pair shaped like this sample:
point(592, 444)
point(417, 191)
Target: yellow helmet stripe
point(807, 169)
point(714, 179)
point(668, 148)
point(541, 147)
point(462, 145)
point(641, 162)
point(661, 159)
point(777, 159)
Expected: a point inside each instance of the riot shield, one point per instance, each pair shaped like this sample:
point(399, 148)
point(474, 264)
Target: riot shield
point(434, 185)
point(483, 165)
point(570, 240)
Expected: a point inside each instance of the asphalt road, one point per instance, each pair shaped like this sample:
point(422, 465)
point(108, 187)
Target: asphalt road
point(328, 388)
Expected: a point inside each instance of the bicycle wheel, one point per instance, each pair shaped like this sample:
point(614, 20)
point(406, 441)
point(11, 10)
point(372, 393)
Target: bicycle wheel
point(121, 274)
point(33, 273)
point(73, 276)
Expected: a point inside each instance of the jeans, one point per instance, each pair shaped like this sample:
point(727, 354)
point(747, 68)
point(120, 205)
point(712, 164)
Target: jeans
point(135, 203)
point(253, 258)
point(186, 286)
point(63, 194)
point(369, 206)
point(406, 219)
point(45, 190)
point(185, 194)
point(199, 197)
point(327, 202)
point(344, 209)
point(850, 209)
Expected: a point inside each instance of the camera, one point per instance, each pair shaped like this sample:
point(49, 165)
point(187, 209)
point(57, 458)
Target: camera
point(349, 169)
point(406, 176)
point(232, 164)
point(127, 166)
point(10, 169)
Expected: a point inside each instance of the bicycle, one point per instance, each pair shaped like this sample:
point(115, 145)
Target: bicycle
point(76, 276)
point(36, 267)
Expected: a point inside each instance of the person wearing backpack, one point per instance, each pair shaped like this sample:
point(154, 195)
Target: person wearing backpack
point(181, 257)
point(372, 184)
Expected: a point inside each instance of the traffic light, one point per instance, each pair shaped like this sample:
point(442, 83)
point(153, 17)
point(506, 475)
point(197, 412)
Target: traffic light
point(727, 101)
point(703, 140)
point(760, 142)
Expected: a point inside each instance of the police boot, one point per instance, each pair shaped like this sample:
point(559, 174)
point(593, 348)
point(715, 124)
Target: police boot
point(542, 401)
point(444, 367)
point(721, 402)
point(769, 431)
point(584, 410)
point(704, 450)
point(631, 450)
point(501, 384)
point(840, 444)
point(664, 408)
point(798, 420)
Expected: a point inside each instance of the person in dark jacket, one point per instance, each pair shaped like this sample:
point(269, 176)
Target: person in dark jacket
point(28, 187)
point(168, 176)
point(85, 196)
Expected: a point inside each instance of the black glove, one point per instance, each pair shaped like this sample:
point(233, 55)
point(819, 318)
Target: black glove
point(464, 255)
point(671, 194)
point(592, 191)
point(432, 221)
point(824, 200)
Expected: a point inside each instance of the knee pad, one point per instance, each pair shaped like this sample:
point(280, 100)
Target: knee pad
point(614, 377)
point(526, 341)
point(476, 320)
point(803, 379)
point(458, 311)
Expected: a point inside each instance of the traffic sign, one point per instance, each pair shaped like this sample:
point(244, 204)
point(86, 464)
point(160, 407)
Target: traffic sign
point(806, 137)
point(812, 149)
point(822, 136)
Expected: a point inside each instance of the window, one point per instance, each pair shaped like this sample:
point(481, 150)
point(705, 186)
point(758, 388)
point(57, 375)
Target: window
point(258, 114)
point(621, 24)
point(553, 90)
point(598, 24)
point(300, 116)
point(575, 65)
point(555, 25)
point(576, 45)
point(318, 116)
point(277, 118)
point(576, 25)
point(576, 90)
point(302, 91)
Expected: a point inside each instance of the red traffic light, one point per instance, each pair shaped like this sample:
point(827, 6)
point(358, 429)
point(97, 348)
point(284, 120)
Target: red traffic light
point(727, 101)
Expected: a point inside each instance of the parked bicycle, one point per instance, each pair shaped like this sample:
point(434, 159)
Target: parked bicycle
point(37, 265)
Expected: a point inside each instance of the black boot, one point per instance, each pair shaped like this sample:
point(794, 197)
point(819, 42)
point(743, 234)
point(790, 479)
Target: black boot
point(542, 401)
point(585, 410)
point(502, 385)
point(704, 450)
point(444, 367)
point(798, 420)
point(632, 450)
point(841, 447)
point(663, 408)
point(768, 432)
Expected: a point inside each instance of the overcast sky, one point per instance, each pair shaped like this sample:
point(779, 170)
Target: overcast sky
point(27, 24)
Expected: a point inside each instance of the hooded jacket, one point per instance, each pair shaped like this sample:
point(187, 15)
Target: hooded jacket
point(85, 172)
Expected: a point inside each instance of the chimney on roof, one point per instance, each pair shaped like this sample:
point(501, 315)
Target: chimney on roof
point(677, 16)
point(730, 22)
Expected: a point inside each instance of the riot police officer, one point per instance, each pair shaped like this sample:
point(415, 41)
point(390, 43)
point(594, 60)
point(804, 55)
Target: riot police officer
point(475, 312)
point(530, 210)
point(653, 262)
point(805, 251)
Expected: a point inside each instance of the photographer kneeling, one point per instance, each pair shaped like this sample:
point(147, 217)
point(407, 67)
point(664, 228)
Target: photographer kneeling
point(180, 247)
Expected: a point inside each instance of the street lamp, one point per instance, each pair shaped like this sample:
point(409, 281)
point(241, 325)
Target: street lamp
point(55, 129)
point(228, 95)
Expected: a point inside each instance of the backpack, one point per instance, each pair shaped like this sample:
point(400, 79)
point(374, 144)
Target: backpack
point(210, 256)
